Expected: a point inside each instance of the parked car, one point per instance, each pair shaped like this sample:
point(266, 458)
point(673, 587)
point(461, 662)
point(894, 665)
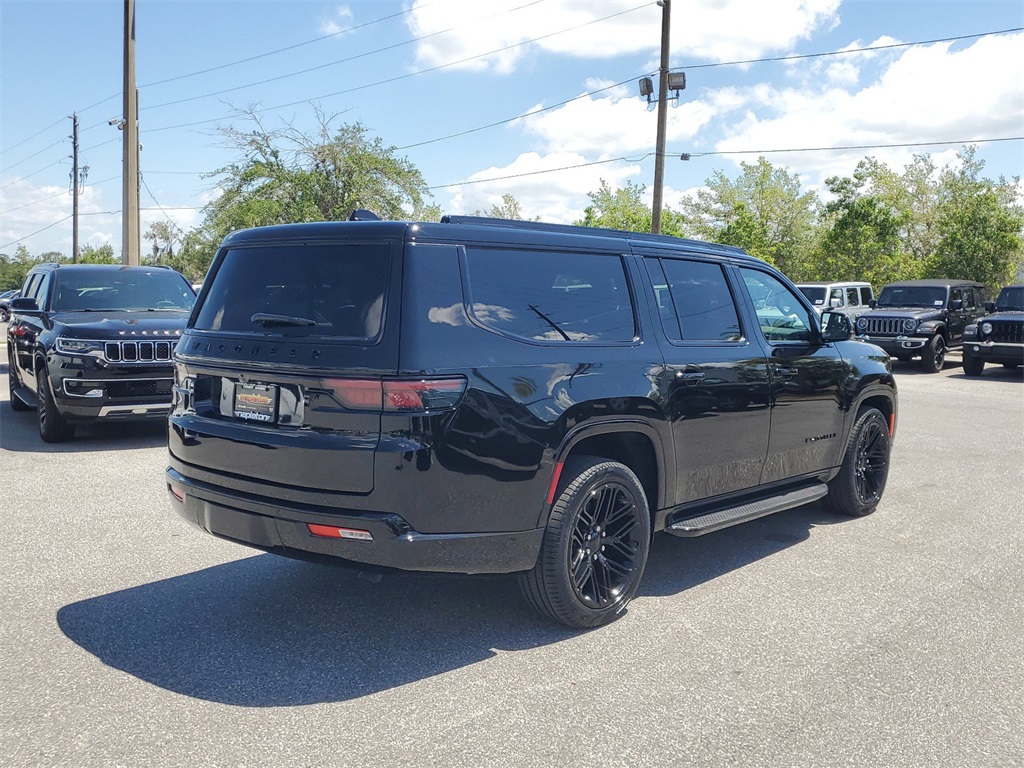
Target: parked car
point(90, 342)
point(923, 318)
point(492, 396)
point(850, 298)
point(5, 304)
point(999, 337)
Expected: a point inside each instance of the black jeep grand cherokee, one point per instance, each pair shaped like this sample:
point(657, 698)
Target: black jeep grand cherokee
point(489, 396)
point(90, 342)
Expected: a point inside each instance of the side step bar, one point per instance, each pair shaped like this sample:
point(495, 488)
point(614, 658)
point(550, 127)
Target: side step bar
point(25, 395)
point(724, 518)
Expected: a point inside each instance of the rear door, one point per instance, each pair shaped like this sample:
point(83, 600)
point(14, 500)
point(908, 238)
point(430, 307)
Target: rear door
point(716, 381)
point(284, 361)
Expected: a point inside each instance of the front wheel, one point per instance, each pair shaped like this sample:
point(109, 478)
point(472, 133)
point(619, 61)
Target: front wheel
point(934, 355)
point(595, 546)
point(858, 487)
point(973, 366)
point(53, 427)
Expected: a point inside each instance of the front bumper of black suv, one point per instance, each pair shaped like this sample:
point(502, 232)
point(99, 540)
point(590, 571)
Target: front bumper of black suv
point(897, 345)
point(356, 537)
point(86, 389)
point(995, 352)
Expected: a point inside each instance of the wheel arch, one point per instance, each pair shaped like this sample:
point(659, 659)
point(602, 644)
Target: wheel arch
point(631, 442)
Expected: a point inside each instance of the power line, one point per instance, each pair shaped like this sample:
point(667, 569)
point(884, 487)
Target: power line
point(34, 154)
point(333, 63)
point(59, 194)
point(845, 148)
point(545, 170)
point(37, 133)
point(410, 74)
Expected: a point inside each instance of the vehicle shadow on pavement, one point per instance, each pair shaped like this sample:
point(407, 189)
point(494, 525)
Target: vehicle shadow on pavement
point(19, 432)
point(267, 632)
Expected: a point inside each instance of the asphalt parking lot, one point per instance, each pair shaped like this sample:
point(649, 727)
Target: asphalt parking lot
point(800, 639)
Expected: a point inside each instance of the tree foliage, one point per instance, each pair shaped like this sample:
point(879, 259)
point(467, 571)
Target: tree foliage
point(510, 208)
point(624, 208)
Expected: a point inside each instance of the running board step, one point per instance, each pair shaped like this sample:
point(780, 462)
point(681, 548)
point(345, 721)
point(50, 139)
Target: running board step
point(25, 395)
point(723, 518)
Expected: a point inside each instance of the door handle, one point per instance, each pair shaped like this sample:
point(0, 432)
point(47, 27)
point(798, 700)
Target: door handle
point(691, 377)
point(786, 373)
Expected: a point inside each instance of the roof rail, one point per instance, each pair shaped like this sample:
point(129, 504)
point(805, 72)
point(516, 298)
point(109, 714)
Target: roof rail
point(486, 221)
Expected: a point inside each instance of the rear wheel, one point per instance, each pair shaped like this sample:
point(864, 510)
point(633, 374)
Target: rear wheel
point(973, 366)
point(595, 546)
point(858, 487)
point(933, 357)
point(53, 427)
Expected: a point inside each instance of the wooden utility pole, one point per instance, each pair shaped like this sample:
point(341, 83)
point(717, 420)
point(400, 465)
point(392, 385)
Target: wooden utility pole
point(130, 242)
point(74, 188)
point(659, 152)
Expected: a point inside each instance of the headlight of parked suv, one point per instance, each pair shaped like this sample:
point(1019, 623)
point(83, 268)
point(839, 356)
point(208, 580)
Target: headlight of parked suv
point(862, 323)
point(986, 329)
point(909, 325)
point(78, 346)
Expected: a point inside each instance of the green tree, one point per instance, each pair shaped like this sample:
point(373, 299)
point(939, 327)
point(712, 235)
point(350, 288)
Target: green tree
point(762, 211)
point(510, 208)
point(87, 254)
point(624, 208)
point(165, 237)
point(285, 175)
point(980, 226)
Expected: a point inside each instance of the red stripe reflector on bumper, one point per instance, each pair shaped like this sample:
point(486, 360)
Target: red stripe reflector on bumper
point(334, 532)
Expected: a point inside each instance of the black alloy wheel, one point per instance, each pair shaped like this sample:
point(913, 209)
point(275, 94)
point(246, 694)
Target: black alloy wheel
point(53, 427)
point(933, 357)
point(858, 487)
point(595, 547)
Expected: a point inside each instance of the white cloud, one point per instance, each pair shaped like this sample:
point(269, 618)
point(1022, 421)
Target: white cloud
point(718, 31)
point(341, 21)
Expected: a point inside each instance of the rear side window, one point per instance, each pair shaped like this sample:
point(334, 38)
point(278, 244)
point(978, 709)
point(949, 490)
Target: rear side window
point(545, 296)
point(295, 291)
point(699, 306)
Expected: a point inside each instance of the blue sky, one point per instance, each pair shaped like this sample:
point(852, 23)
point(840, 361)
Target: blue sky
point(416, 74)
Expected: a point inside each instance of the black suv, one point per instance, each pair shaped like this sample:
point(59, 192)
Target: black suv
point(90, 342)
point(490, 396)
point(998, 338)
point(922, 318)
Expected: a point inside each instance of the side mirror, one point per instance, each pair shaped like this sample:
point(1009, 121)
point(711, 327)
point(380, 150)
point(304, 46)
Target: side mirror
point(990, 307)
point(24, 305)
point(835, 302)
point(835, 326)
point(956, 305)
point(873, 303)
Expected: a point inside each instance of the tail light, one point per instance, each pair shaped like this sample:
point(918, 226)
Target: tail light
point(397, 395)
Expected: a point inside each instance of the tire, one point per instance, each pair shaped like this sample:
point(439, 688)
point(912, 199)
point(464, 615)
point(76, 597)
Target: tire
point(53, 428)
point(12, 384)
point(4, 315)
point(595, 547)
point(973, 366)
point(858, 487)
point(933, 357)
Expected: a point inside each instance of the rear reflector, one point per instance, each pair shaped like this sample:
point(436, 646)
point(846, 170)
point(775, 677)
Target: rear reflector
point(397, 395)
point(334, 532)
point(179, 495)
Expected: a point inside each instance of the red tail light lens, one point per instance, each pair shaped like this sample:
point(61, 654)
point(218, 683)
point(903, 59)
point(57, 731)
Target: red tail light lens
point(397, 395)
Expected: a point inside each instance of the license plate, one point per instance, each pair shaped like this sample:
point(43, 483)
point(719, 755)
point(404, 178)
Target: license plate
point(255, 402)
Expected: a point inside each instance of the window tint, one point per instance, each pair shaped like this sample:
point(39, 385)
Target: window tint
point(697, 305)
point(779, 313)
point(815, 293)
point(28, 292)
point(41, 289)
point(551, 296)
point(865, 295)
point(324, 290)
point(835, 298)
point(852, 300)
point(969, 298)
point(123, 289)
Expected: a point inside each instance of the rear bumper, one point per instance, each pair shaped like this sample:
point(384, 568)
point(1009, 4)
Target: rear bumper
point(266, 525)
point(994, 352)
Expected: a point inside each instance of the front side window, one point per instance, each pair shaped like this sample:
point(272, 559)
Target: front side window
point(698, 305)
point(548, 296)
point(865, 295)
point(296, 291)
point(779, 313)
point(969, 298)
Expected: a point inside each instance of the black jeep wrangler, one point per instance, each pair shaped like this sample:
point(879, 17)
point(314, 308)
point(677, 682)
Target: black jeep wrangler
point(91, 342)
point(492, 396)
point(922, 318)
point(997, 338)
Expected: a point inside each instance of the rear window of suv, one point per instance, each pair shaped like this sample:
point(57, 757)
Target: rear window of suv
point(548, 296)
point(322, 290)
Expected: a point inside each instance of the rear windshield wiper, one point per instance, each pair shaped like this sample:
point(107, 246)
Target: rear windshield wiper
point(269, 321)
